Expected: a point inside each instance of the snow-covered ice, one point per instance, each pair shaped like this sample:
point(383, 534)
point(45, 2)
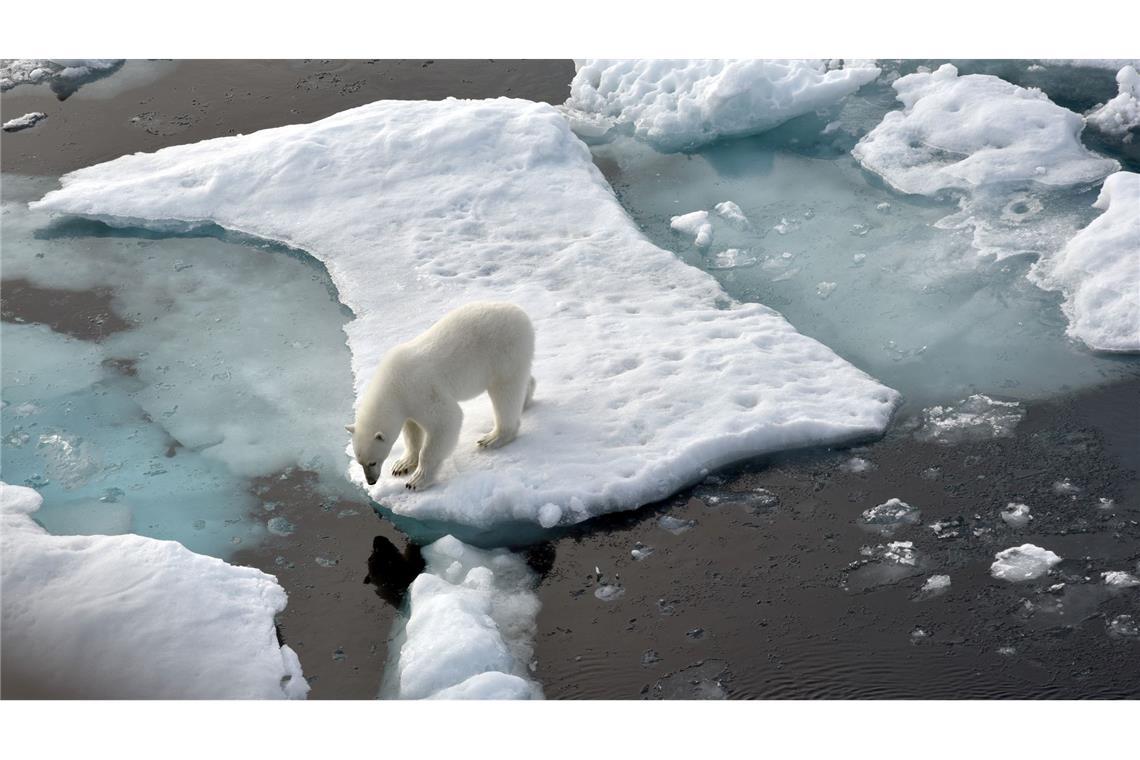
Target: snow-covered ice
point(63, 74)
point(696, 224)
point(1022, 563)
point(974, 418)
point(964, 132)
point(127, 617)
point(1098, 271)
point(470, 629)
point(416, 207)
point(680, 104)
point(26, 121)
point(1120, 579)
point(1016, 515)
point(1120, 115)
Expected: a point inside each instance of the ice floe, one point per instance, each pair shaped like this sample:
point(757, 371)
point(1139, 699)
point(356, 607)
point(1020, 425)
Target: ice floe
point(963, 132)
point(680, 104)
point(64, 75)
point(974, 418)
point(470, 629)
point(1022, 563)
point(1098, 271)
point(1120, 115)
point(128, 617)
point(26, 121)
point(416, 207)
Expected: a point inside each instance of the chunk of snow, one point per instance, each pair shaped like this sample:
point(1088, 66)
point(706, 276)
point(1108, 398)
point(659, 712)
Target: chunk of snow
point(680, 104)
point(1098, 271)
point(471, 614)
point(1120, 579)
point(1121, 114)
point(417, 207)
point(695, 223)
point(857, 464)
point(1022, 563)
point(24, 122)
point(962, 132)
point(936, 583)
point(128, 617)
point(1016, 515)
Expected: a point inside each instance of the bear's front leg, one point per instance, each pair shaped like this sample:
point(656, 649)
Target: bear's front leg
point(441, 434)
point(413, 443)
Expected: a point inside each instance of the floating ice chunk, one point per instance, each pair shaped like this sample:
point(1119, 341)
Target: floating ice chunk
point(695, 223)
point(640, 551)
point(857, 464)
point(1022, 563)
point(976, 417)
point(784, 227)
point(1121, 114)
point(279, 526)
point(896, 552)
point(732, 258)
point(472, 612)
point(681, 104)
point(825, 289)
point(1098, 271)
point(675, 525)
point(1120, 579)
point(64, 75)
point(127, 617)
point(609, 592)
point(935, 585)
point(457, 218)
point(1016, 515)
point(26, 121)
point(965, 132)
point(731, 213)
point(1123, 626)
point(1109, 64)
point(69, 461)
point(1066, 487)
point(890, 516)
point(948, 528)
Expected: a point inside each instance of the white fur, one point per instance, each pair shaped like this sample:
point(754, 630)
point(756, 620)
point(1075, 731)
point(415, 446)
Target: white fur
point(482, 346)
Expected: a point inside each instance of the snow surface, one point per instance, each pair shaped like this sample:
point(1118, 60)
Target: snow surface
point(127, 617)
point(648, 375)
point(26, 121)
point(1121, 114)
point(963, 132)
point(680, 104)
point(470, 631)
point(1098, 271)
point(1022, 563)
point(17, 71)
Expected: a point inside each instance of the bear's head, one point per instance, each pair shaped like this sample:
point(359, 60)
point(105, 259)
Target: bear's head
point(370, 450)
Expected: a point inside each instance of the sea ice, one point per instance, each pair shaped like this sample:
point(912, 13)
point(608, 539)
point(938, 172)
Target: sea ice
point(1098, 271)
point(964, 132)
point(633, 345)
point(1123, 626)
point(976, 417)
point(1016, 515)
point(1118, 116)
point(889, 516)
point(857, 465)
point(730, 212)
point(127, 617)
point(695, 223)
point(26, 121)
point(675, 525)
point(680, 104)
point(1022, 563)
point(1120, 579)
point(470, 630)
point(935, 585)
point(640, 551)
point(65, 75)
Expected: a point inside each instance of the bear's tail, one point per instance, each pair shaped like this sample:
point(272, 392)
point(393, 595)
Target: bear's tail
point(529, 392)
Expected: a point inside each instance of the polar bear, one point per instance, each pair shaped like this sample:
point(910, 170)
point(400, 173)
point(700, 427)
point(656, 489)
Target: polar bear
point(482, 346)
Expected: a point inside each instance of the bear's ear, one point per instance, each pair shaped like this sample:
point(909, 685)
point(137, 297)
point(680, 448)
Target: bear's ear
point(379, 436)
point(350, 428)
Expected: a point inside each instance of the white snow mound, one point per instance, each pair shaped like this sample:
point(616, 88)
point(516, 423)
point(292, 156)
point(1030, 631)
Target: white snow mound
point(680, 104)
point(1022, 563)
point(1098, 271)
point(128, 617)
point(648, 374)
point(961, 132)
point(471, 627)
point(1121, 114)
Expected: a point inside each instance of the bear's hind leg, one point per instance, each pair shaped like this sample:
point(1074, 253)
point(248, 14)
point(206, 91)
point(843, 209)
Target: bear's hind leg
point(441, 434)
point(507, 399)
point(413, 443)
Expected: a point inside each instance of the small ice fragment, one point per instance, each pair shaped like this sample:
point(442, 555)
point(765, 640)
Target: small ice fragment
point(890, 516)
point(857, 464)
point(732, 258)
point(649, 656)
point(640, 551)
point(339, 655)
point(1006, 651)
point(695, 223)
point(549, 515)
point(279, 526)
point(26, 121)
point(346, 513)
point(731, 213)
point(785, 226)
point(326, 561)
point(935, 585)
point(695, 633)
point(1016, 515)
point(609, 592)
point(1066, 487)
point(1120, 579)
point(675, 525)
point(976, 417)
point(1123, 626)
point(1105, 503)
point(931, 473)
point(951, 527)
point(1022, 563)
point(917, 635)
point(825, 289)
point(860, 230)
point(858, 259)
point(883, 207)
